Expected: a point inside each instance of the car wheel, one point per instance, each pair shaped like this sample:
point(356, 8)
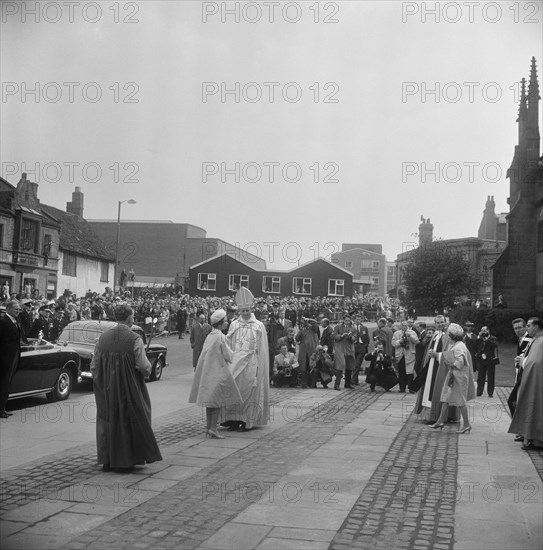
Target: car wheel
point(156, 373)
point(63, 386)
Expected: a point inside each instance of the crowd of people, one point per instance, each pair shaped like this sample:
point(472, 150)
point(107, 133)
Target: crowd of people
point(306, 342)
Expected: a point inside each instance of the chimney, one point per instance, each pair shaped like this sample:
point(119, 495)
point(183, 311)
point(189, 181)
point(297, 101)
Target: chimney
point(426, 232)
point(76, 206)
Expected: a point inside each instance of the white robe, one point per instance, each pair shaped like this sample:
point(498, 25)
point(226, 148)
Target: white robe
point(250, 369)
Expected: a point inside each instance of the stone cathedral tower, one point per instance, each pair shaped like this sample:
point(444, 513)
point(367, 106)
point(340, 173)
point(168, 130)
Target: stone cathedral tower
point(518, 272)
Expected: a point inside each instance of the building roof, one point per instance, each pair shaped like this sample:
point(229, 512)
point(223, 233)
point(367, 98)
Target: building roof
point(234, 257)
point(349, 251)
point(77, 236)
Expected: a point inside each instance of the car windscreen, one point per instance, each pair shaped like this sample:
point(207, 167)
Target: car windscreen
point(81, 335)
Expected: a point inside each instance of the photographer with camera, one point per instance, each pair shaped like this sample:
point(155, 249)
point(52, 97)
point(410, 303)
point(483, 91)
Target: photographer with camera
point(380, 372)
point(487, 359)
point(322, 367)
point(404, 341)
point(285, 368)
point(344, 338)
point(308, 339)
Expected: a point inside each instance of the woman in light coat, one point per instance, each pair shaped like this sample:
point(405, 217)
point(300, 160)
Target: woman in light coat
point(213, 386)
point(459, 386)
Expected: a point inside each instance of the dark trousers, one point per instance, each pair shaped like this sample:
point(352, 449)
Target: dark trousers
point(360, 351)
point(487, 372)
point(5, 383)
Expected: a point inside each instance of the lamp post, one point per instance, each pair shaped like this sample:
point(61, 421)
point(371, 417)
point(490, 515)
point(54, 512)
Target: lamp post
point(115, 273)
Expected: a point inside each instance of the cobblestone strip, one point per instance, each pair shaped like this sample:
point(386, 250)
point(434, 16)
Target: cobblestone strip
point(536, 455)
point(182, 516)
point(40, 478)
point(409, 501)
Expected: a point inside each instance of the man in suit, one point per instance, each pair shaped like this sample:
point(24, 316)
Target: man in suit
point(198, 334)
point(26, 319)
point(487, 359)
point(361, 346)
point(291, 314)
point(470, 339)
point(384, 333)
point(344, 338)
point(11, 335)
point(326, 336)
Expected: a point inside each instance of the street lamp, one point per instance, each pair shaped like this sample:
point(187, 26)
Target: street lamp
point(115, 273)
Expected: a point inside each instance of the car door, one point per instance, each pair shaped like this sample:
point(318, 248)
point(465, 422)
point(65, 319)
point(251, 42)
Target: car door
point(29, 375)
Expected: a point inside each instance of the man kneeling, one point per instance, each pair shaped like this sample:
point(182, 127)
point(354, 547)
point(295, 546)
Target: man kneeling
point(285, 368)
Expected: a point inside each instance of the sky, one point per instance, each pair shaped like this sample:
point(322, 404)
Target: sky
point(287, 128)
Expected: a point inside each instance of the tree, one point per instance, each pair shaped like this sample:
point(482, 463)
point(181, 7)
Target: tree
point(436, 276)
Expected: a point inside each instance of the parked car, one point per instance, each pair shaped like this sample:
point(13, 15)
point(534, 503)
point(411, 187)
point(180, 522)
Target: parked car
point(45, 368)
point(83, 335)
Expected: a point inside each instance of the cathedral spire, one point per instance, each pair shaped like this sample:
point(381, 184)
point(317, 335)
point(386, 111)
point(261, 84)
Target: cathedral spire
point(533, 88)
point(532, 117)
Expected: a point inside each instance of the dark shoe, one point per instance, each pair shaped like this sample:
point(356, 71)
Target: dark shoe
point(401, 391)
point(372, 389)
point(336, 388)
point(6, 412)
point(529, 447)
point(106, 468)
point(325, 386)
point(4, 415)
point(519, 438)
point(233, 427)
point(490, 395)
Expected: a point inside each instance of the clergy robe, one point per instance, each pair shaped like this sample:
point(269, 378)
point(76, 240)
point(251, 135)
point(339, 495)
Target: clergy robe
point(124, 436)
point(250, 369)
point(528, 417)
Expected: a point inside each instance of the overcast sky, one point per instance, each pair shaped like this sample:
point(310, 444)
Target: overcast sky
point(335, 113)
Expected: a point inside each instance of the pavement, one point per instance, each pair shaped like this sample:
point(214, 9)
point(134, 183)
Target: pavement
point(332, 470)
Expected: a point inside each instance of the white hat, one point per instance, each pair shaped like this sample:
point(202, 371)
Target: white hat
point(218, 315)
point(456, 331)
point(244, 298)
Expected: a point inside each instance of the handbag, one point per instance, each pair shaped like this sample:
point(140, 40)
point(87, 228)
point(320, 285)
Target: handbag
point(450, 381)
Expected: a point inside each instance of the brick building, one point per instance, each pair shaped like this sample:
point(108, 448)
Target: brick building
point(46, 250)
point(225, 273)
point(368, 265)
point(518, 272)
point(160, 252)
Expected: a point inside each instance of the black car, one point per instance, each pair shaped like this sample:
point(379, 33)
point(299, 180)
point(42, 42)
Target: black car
point(83, 335)
point(45, 368)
